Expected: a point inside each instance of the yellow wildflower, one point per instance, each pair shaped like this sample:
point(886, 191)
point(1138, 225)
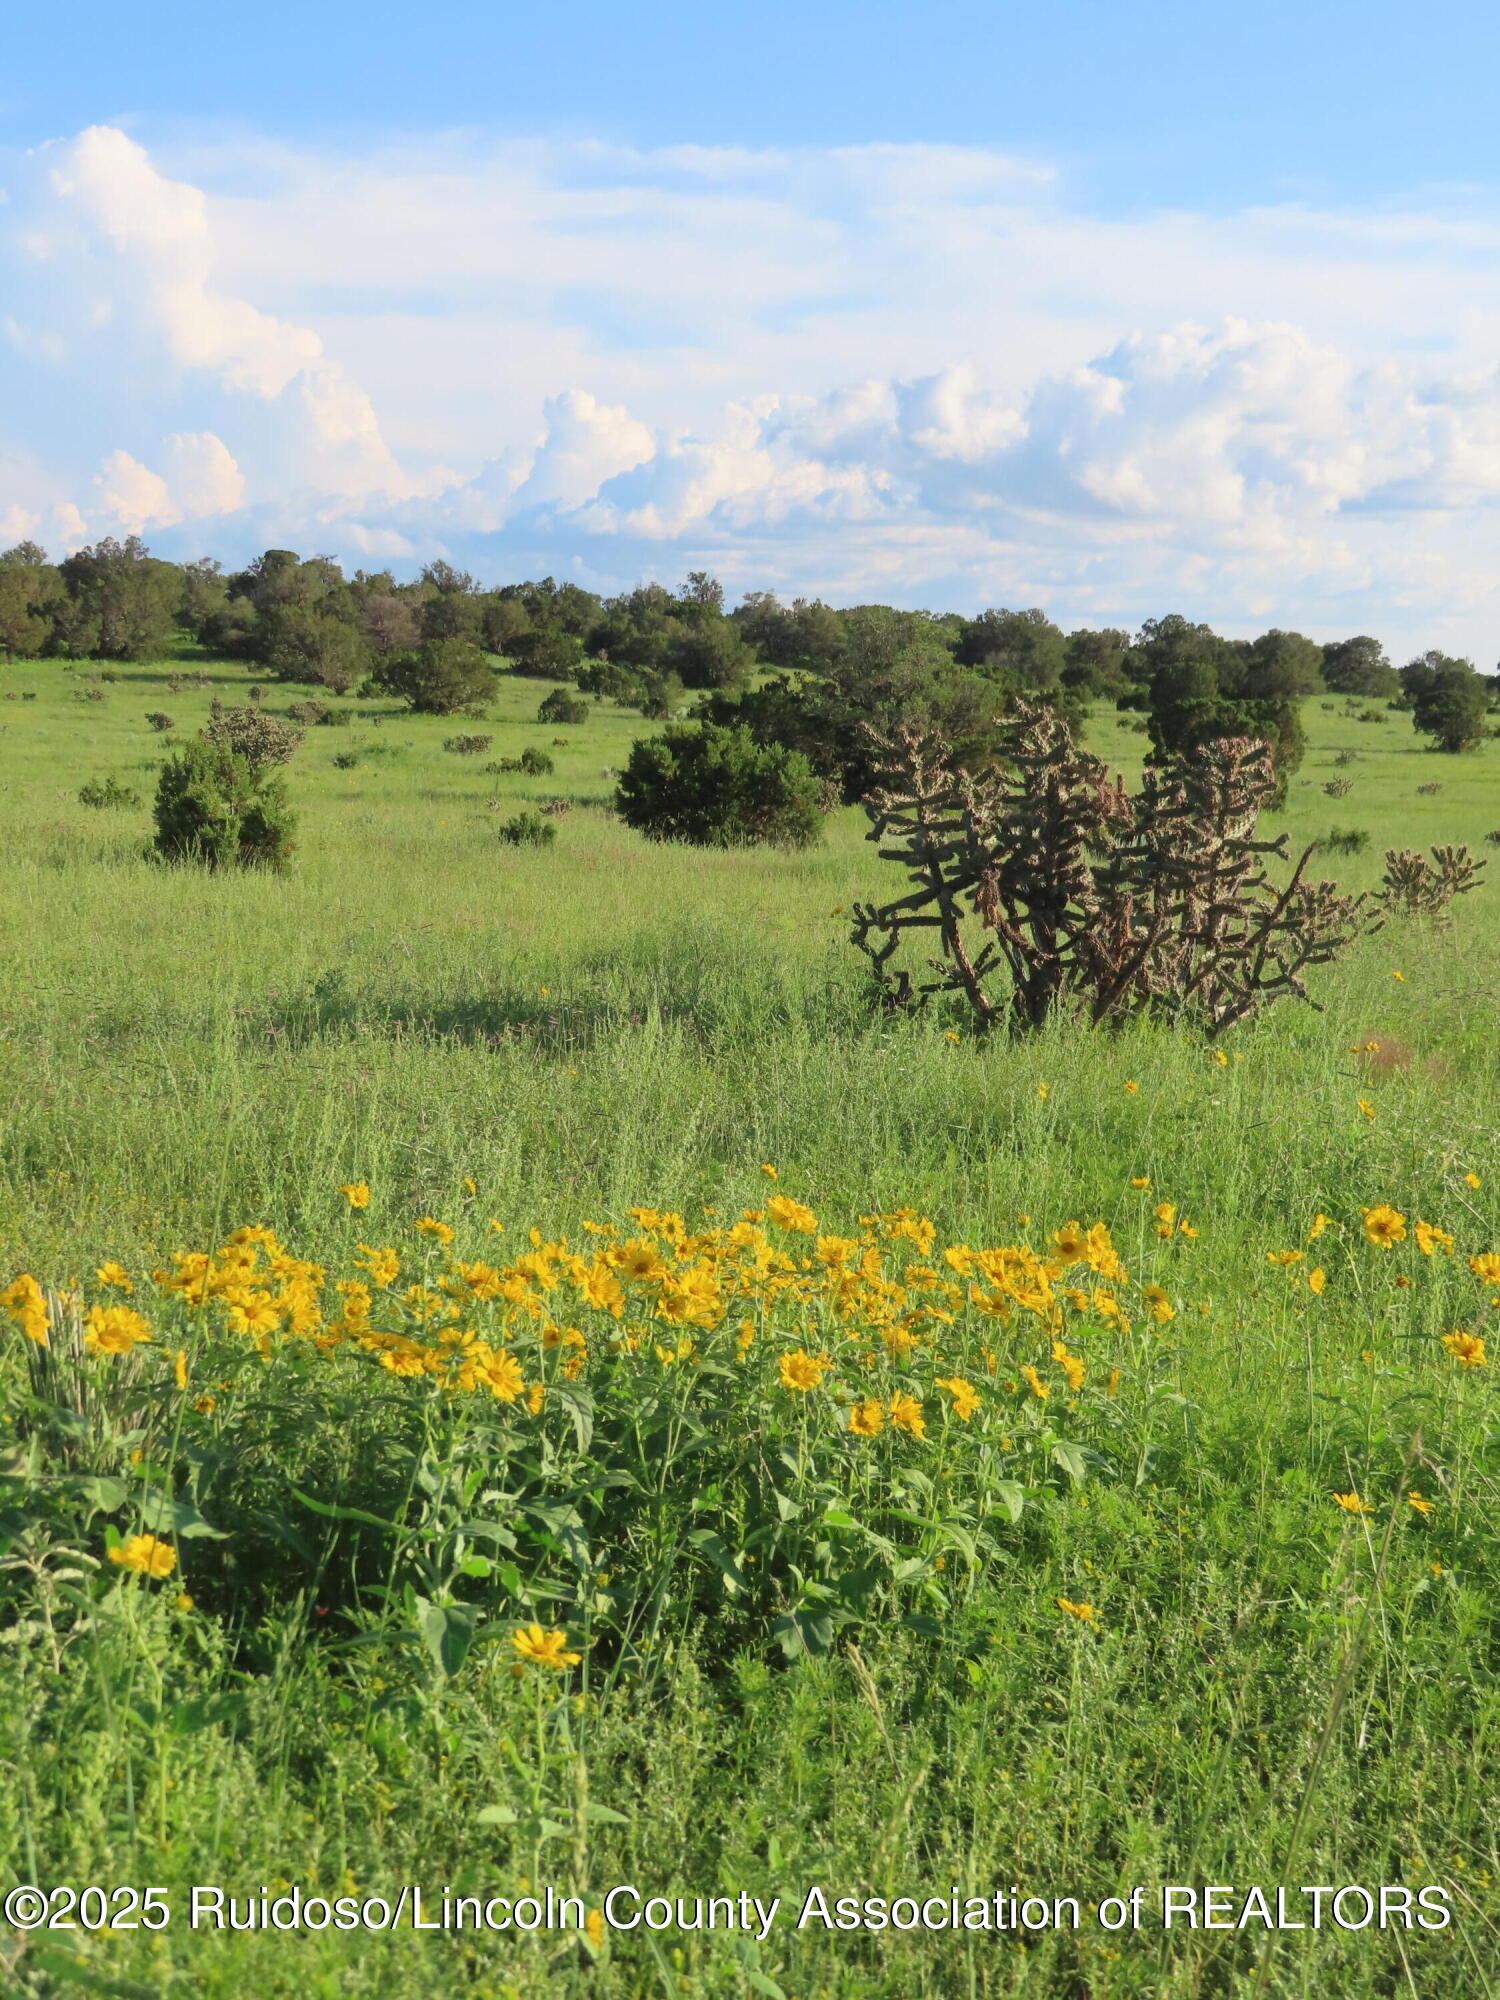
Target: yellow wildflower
point(1035, 1383)
point(145, 1554)
point(430, 1226)
point(1466, 1348)
point(1283, 1256)
point(1473, 1180)
point(801, 1371)
point(1141, 1181)
point(1414, 1500)
point(543, 1648)
point(1132, 1088)
point(114, 1330)
point(1319, 1224)
point(867, 1419)
point(792, 1215)
point(116, 1275)
point(1317, 1278)
point(1430, 1238)
point(1384, 1225)
point(1352, 1504)
point(1084, 1613)
point(1366, 1108)
point(1041, 1091)
point(1070, 1365)
point(965, 1395)
point(906, 1415)
point(356, 1193)
point(1486, 1266)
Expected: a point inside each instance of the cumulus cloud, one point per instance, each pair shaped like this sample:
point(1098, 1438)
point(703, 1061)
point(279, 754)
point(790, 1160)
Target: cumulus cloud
point(903, 370)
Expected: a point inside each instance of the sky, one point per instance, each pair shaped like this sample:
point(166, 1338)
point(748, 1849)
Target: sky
point(1116, 310)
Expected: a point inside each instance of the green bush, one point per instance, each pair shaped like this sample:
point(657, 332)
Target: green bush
point(159, 720)
point(215, 807)
point(562, 709)
point(467, 746)
point(108, 793)
point(528, 829)
point(441, 677)
point(717, 787)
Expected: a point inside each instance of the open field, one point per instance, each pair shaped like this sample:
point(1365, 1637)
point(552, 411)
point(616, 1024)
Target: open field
point(1271, 1689)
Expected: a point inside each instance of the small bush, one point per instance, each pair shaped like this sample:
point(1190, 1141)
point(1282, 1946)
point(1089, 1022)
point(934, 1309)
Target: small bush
point(528, 829)
point(160, 721)
point(563, 709)
point(88, 694)
point(336, 718)
point(1345, 840)
point(257, 695)
point(347, 760)
point(1493, 836)
point(174, 683)
point(1339, 788)
point(717, 787)
point(1346, 758)
point(467, 746)
point(107, 793)
point(1372, 715)
point(261, 739)
point(307, 713)
point(1428, 791)
point(536, 763)
point(555, 808)
point(215, 807)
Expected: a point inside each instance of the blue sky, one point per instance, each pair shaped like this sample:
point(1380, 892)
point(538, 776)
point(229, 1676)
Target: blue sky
point(1113, 308)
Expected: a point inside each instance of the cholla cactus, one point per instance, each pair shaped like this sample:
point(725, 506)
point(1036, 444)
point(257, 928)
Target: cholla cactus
point(1090, 899)
point(1427, 888)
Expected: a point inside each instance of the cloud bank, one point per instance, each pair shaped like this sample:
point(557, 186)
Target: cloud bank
point(901, 372)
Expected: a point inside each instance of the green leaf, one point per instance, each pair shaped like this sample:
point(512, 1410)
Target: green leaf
point(104, 1494)
point(1069, 1459)
point(604, 1815)
point(707, 1543)
point(345, 1513)
point(808, 1630)
point(1012, 1498)
point(447, 1631)
point(496, 1816)
point(162, 1515)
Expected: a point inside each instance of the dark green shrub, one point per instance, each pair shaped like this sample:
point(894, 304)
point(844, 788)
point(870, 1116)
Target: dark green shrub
point(300, 644)
point(88, 694)
point(1339, 788)
point(441, 677)
point(306, 713)
point(535, 763)
point(1345, 840)
point(107, 793)
point(213, 806)
point(159, 721)
point(467, 746)
point(528, 829)
point(347, 760)
point(717, 787)
point(562, 709)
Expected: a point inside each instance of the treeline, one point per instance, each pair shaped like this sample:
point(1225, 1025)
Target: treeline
point(804, 676)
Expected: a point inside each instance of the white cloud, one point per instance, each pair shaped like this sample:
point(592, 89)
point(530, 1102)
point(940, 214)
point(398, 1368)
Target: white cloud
point(133, 496)
point(903, 369)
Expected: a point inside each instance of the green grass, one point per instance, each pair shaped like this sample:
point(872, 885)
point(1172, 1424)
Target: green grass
point(1275, 1693)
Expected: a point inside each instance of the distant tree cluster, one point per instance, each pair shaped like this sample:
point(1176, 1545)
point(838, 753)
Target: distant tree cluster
point(802, 677)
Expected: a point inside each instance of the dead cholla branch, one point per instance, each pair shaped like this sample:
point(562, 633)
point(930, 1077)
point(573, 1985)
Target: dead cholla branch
point(1090, 900)
point(1426, 888)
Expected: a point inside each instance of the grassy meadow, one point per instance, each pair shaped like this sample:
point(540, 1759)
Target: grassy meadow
point(1096, 1621)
